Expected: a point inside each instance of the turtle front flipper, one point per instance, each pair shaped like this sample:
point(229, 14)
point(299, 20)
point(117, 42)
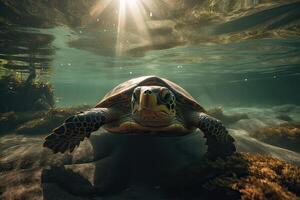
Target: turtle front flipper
point(219, 142)
point(68, 135)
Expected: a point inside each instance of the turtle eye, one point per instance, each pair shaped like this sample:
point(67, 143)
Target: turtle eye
point(165, 95)
point(135, 93)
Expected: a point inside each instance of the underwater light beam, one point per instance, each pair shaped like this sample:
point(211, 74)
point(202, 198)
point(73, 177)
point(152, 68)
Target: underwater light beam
point(139, 15)
point(121, 23)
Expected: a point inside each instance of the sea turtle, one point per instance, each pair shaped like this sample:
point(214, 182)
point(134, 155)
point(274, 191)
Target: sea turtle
point(147, 105)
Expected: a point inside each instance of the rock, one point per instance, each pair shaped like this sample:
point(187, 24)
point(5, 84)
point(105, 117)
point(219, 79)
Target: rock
point(40, 122)
point(21, 184)
point(226, 119)
point(114, 166)
point(285, 108)
point(103, 165)
point(47, 121)
point(284, 117)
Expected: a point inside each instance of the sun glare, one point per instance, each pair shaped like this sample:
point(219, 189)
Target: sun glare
point(130, 2)
point(139, 12)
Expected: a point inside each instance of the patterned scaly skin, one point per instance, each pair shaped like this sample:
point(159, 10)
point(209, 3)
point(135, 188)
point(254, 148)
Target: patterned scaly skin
point(74, 130)
point(219, 142)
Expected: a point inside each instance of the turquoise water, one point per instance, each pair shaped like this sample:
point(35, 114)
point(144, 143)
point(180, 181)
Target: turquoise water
point(249, 73)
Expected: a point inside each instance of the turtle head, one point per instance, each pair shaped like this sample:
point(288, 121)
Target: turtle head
point(153, 106)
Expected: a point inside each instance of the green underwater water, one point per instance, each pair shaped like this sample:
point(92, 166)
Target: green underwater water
point(258, 78)
point(254, 72)
point(238, 59)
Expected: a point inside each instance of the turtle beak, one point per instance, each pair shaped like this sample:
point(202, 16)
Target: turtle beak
point(147, 100)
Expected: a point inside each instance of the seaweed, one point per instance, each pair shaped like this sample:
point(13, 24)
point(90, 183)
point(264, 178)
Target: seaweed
point(241, 176)
point(24, 95)
point(286, 135)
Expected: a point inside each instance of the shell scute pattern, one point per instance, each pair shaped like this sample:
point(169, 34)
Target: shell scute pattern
point(122, 92)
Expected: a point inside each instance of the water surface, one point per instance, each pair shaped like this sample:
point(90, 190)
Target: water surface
point(254, 72)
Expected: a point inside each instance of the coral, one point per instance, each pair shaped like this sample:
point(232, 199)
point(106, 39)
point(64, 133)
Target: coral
point(241, 176)
point(285, 135)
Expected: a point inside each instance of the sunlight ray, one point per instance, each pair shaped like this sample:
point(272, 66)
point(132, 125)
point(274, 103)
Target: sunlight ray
point(139, 16)
point(121, 24)
point(131, 14)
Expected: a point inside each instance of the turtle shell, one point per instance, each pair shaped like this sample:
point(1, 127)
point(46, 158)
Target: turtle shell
point(122, 93)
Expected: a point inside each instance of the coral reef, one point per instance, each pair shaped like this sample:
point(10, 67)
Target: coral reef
point(286, 135)
point(28, 95)
point(241, 176)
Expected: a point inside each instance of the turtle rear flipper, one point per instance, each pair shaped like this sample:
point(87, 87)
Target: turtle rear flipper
point(74, 130)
